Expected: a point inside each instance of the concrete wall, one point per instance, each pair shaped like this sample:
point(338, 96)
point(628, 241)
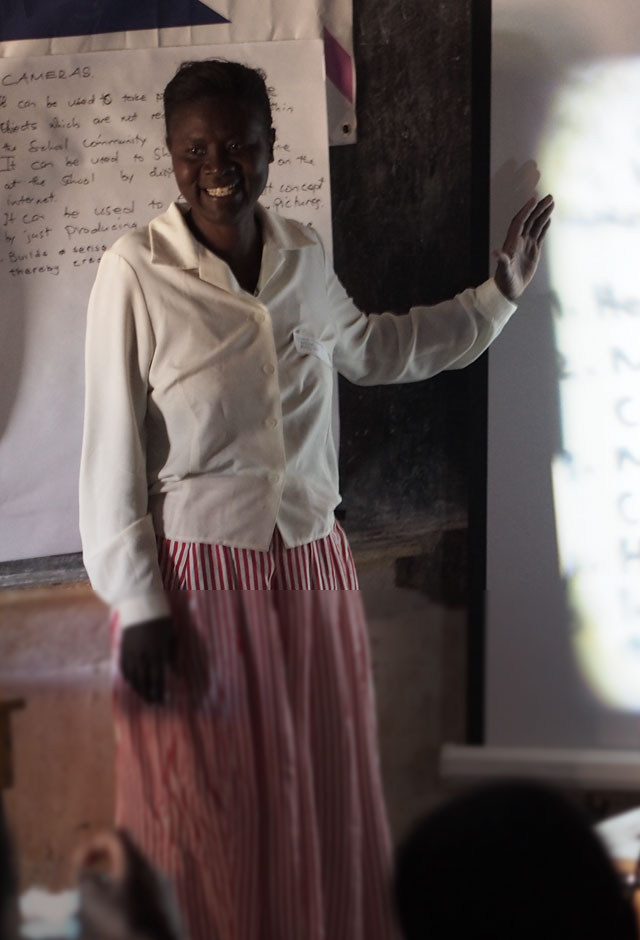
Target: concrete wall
point(54, 653)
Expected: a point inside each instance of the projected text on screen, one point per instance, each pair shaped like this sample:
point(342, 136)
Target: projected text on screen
point(591, 158)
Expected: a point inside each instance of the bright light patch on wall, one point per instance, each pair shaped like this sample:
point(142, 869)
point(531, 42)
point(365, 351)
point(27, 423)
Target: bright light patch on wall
point(590, 161)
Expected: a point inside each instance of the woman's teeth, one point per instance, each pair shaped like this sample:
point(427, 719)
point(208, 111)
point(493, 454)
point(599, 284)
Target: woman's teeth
point(221, 190)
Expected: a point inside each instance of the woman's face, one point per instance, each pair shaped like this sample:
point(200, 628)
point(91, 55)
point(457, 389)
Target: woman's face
point(221, 149)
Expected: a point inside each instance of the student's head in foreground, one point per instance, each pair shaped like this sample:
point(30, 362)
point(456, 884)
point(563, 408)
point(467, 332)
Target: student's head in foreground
point(509, 861)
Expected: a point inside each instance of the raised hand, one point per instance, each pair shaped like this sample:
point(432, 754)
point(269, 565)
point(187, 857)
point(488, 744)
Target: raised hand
point(518, 260)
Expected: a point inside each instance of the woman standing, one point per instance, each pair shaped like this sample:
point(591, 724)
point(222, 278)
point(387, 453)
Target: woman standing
point(249, 770)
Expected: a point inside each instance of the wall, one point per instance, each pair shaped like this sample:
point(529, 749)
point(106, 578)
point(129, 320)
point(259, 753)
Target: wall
point(54, 655)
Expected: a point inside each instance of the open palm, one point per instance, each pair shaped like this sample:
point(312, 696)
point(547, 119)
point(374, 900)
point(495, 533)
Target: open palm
point(520, 254)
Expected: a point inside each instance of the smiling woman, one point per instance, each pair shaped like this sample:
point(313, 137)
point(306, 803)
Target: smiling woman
point(247, 763)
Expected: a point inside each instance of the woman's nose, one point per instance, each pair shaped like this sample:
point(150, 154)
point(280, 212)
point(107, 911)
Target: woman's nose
point(216, 160)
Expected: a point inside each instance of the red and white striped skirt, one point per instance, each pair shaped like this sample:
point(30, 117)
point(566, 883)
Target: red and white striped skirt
point(257, 787)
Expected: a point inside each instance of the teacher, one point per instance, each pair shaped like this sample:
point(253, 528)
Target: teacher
point(247, 764)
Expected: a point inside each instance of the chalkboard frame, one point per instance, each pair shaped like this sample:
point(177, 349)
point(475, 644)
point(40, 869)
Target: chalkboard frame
point(42, 572)
point(479, 376)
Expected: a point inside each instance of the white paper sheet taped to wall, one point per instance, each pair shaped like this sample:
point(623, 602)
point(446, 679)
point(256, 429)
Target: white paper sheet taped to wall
point(82, 160)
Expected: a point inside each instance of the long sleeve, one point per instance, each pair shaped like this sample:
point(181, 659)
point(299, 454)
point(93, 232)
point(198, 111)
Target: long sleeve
point(386, 348)
point(119, 543)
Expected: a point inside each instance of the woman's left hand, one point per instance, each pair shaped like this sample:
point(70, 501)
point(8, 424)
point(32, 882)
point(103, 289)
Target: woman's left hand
point(518, 260)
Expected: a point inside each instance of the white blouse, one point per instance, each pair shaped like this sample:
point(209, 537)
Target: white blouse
point(208, 410)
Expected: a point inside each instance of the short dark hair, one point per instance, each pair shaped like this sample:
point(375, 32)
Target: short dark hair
point(207, 78)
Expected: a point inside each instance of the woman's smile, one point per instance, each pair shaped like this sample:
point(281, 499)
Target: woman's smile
point(219, 191)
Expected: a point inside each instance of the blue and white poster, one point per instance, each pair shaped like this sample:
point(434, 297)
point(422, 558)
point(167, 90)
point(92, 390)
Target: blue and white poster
point(44, 19)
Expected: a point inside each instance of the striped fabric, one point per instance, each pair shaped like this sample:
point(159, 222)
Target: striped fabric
point(326, 564)
point(257, 787)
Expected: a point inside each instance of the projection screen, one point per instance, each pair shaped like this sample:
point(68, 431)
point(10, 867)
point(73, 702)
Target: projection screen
point(563, 513)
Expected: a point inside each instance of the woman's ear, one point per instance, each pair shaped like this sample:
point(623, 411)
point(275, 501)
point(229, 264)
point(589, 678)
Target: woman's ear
point(272, 140)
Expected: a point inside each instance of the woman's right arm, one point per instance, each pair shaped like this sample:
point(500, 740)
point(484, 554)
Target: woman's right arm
point(118, 538)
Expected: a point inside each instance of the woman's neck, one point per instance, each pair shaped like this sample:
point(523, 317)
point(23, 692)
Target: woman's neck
point(239, 246)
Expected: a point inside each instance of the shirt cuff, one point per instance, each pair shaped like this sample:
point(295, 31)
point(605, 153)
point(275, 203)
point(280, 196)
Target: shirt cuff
point(492, 303)
point(137, 609)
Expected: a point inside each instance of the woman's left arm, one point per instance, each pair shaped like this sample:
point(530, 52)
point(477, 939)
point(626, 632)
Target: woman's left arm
point(385, 348)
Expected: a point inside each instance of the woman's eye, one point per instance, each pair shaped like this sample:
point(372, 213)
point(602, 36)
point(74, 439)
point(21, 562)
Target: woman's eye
point(195, 151)
point(234, 147)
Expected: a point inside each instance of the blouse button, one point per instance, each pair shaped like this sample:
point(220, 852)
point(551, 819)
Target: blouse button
point(259, 317)
point(274, 477)
point(268, 368)
point(272, 422)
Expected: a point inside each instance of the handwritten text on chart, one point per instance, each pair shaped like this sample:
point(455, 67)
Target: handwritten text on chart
point(82, 161)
